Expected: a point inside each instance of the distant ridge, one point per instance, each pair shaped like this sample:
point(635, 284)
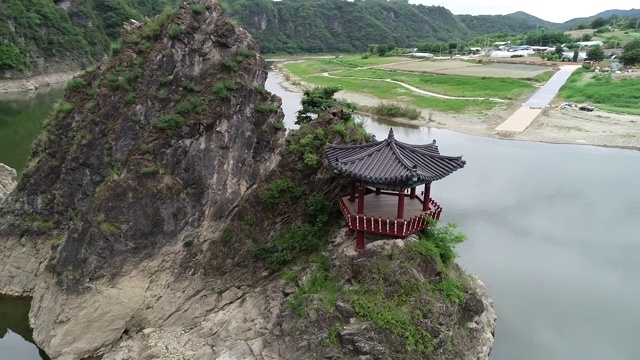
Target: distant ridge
point(631, 13)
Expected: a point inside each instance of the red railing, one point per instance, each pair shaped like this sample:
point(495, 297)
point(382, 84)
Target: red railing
point(392, 227)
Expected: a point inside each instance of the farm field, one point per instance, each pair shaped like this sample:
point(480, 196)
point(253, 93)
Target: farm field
point(318, 66)
point(396, 93)
point(457, 67)
point(451, 85)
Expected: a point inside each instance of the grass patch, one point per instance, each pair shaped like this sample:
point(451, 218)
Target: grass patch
point(438, 243)
point(65, 108)
point(153, 28)
point(198, 9)
point(175, 31)
point(613, 95)
point(249, 220)
point(281, 192)
point(75, 83)
point(41, 224)
point(266, 108)
point(280, 125)
point(223, 89)
point(146, 148)
point(451, 85)
point(145, 46)
point(393, 92)
point(189, 106)
point(453, 290)
point(226, 238)
point(187, 244)
point(321, 282)
point(394, 111)
point(109, 229)
point(391, 313)
point(115, 48)
point(189, 86)
point(132, 39)
point(231, 65)
point(150, 170)
point(130, 98)
point(243, 53)
point(124, 79)
point(169, 122)
point(165, 80)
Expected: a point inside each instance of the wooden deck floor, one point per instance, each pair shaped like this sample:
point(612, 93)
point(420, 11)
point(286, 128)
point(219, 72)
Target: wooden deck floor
point(386, 206)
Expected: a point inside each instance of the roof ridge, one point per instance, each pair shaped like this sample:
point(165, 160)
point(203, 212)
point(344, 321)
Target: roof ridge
point(364, 154)
point(403, 161)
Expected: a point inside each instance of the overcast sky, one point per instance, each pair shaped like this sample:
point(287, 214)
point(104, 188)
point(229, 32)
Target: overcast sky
point(551, 10)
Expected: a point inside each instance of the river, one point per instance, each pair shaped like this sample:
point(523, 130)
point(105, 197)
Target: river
point(553, 232)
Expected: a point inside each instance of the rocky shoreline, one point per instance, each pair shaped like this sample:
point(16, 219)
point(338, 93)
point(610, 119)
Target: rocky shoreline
point(36, 82)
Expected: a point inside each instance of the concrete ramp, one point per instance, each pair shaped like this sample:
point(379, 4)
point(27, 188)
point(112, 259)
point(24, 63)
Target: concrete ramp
point(523, 117)
point(519, 120)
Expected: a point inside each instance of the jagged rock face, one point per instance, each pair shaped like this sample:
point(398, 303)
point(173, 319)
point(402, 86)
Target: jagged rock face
point(7, 181)
point(170, 133)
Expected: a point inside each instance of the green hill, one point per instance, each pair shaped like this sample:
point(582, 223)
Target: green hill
point(342, 26)
point(631, 13)
point(40, 36)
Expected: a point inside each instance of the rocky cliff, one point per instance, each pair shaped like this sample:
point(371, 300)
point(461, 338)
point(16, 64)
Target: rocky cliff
point(163, 215)
point(7, 181)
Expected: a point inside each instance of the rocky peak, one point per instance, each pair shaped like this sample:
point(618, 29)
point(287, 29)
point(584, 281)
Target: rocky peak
point(169, 133)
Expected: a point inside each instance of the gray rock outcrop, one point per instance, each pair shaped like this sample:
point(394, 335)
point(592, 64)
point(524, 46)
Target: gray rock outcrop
point(7, 181)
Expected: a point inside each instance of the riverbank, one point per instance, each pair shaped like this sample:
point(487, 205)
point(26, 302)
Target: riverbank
point(34, 83)
point(554, 125)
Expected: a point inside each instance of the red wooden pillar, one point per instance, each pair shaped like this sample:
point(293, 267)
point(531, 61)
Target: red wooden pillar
point(361, 200)
point(427, 197)
point(378, 191)
point(352, 191)
point(360, 241)
point(360, 233)
point(401, 204)
point(412, 194)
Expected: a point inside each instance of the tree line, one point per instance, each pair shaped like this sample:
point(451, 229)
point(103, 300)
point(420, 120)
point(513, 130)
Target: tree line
point(33, 30)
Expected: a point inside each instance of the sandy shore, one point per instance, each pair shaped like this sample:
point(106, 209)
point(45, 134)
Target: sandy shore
point(36, 82)
point(567, 126)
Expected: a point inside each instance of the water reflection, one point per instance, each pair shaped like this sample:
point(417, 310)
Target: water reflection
point(15, 333)
point(21, 116)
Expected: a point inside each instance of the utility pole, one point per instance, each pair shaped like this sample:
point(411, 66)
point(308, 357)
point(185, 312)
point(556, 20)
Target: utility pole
point(637, 21)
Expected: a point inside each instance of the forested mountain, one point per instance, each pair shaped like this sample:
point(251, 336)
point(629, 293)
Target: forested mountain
point(342, 26)
point(492, 24)
point(632, 13)
point(49, 35)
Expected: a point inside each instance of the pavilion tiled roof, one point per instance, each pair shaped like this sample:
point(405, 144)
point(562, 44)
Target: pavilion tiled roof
point(392, 162)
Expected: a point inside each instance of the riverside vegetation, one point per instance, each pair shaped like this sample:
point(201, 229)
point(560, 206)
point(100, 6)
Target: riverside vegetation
point(358, 75)
point(604, 91)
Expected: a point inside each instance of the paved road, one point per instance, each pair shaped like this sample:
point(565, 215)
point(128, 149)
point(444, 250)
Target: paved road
point(524, 116)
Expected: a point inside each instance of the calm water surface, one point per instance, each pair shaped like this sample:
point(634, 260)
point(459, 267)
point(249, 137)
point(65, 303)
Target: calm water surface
point(15, 334)
point(554, 232)
point(20, 121)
